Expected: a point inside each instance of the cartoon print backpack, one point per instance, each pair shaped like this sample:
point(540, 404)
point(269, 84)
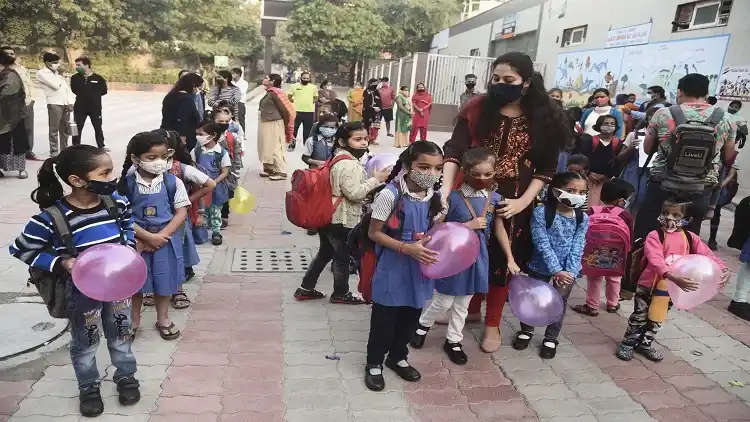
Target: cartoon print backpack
point(607, 243)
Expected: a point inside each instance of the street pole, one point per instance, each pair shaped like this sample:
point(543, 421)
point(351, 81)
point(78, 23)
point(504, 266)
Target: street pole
point(268, 54)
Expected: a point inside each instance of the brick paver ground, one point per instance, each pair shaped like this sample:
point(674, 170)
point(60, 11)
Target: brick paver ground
point(250, 353)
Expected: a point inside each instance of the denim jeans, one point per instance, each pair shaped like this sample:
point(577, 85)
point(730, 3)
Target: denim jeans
point(553, 330)
point(88, 317)
point(333, 247)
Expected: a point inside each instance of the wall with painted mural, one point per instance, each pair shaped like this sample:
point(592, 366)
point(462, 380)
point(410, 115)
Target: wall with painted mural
point(633, 69)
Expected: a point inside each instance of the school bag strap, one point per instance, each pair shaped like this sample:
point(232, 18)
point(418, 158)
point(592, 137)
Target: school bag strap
point(61, 226)
point(330, 165)
point(114, 213)
point(471, 209)
point(217, 157)
point(595, 141)
point(549, 216)
point(679, 116)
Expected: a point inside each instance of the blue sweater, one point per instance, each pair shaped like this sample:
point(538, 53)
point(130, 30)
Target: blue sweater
point(559, 248)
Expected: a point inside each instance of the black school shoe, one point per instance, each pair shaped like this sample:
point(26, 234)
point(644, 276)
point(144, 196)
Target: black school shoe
point(217, 239)
point(129, 394)
point(303, 294)
point(522, 343)
point(455, 353)
point(548, 352)
point(347, 299)
point(408, 373)
point(91, 404)
point(374, 382)
point(740, 310)
point(417, 341)
point(189, 274)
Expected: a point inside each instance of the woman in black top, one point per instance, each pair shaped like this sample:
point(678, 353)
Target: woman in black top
point(371, 113)
point(179, 112)
point(602, 151)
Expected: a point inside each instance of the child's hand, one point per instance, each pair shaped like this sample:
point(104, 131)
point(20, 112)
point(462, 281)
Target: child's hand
point(564, 278)
point(725, 276)
point(479, 223)
point(685, 283)
point(382, 175)
point(157, 240)
point(418, 251)
point(513, 267)
point(141, 246)
point(68, 264)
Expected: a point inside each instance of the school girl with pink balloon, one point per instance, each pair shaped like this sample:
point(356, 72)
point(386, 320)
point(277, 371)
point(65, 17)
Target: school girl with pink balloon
point(402, 213)
point(673, 271)
point(473, 204)
point(95, 218)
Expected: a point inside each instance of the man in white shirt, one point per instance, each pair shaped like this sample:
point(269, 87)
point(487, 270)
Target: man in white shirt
point(240, 83)
point(60, 101)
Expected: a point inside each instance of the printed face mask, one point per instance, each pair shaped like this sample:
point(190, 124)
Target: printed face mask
point(423, 179)
point(102, 188)
point(606, 129)
point(671, 225)
point(155, 167)
point(570, 199)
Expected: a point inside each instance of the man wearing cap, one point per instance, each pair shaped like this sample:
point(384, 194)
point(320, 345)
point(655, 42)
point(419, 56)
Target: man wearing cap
point(59, 102)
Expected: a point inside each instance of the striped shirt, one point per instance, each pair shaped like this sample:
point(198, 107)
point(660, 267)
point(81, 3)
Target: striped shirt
point(181, 199)
point(231, 94)
point(39, 247)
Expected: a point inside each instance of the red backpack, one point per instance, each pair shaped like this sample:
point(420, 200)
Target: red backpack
point(309, 203)
point(607, 243)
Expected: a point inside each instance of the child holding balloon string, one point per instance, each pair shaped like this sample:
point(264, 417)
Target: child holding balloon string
point(651, 300)
point(402, 212)
point(474, 204)
point(96, 215)
point(159, 202)
point(558, 233)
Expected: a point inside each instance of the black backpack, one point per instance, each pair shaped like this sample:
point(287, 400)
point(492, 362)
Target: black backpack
point(636, 261)
point(54, 287)
point(693, 149)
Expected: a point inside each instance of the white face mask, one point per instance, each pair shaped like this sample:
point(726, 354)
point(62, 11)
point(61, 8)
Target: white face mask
point(570, 199)
point(54, 66)
point(155, 167)
point(203, 140)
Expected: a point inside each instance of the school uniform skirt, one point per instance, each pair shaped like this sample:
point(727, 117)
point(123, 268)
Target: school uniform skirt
point(166, 267)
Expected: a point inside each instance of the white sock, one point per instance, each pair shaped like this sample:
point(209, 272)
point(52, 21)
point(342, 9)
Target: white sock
point(421, 332)
point(376, 371)
point(524, 336)
point(550, 344)
point(403, 364)
point(455, 346)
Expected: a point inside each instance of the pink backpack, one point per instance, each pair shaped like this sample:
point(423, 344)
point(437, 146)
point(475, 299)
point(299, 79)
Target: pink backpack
point(607, 243)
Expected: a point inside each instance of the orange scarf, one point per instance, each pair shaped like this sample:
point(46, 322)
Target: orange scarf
point(289, 108)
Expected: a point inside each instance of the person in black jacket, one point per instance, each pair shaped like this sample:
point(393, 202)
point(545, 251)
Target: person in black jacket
point(89, 89)
point(179, 112)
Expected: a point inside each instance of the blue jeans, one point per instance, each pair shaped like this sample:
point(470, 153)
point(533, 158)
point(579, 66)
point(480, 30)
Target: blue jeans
point(88, 317)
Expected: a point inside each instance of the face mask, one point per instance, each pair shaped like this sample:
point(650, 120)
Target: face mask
point(626, 204)
point(356, 153)
point(102, 188)
point(601, 102)
point(420, 89)
point(471, 85)
point(732, 110)
point(423, 179)
point(223, 126)
point(6, 60)
point(54, 66)
point(328, 132)
point(503, 93)
point(305, 82)
point(80, 69)
point(374, 86)
point(570, 200)
point(155, 167)
point(607, 130)
point(203, 140)
point(329, 87)
point(479, 184)
point(671, 225)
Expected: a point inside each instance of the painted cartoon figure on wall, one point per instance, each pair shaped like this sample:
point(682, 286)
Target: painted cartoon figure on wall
point(579, 74)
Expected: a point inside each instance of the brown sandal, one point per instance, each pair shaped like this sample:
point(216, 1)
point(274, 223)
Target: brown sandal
point(168, 333)
point(585, 309)
point(180, 300)
point(148, 299)
point(277, 176)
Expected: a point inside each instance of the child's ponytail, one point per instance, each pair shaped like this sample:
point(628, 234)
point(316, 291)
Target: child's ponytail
point(50, 190)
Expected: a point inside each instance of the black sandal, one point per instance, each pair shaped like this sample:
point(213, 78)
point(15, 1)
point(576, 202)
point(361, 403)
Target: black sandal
point(613, 309)
point(168, 333)
point(585, 310)
point(180, 300)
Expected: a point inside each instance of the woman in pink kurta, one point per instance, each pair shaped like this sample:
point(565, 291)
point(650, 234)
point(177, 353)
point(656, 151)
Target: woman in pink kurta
point(422, 106)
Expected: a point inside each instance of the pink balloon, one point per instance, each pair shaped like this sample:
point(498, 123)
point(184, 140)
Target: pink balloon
point(705, 271)
point(380, 162)
point(534, 302)
point(457, 247)
point(109, 272)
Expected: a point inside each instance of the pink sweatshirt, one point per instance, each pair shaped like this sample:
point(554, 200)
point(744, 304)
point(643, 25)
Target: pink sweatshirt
point(674, 244)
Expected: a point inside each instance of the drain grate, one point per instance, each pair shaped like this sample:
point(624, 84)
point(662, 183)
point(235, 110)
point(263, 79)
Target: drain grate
point(271, 260)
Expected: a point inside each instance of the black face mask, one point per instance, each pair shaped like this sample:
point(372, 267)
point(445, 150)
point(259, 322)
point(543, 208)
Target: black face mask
point(223, 126)
point(6, 60)
point(304, 82)
point(471, 85)
point(356, 153)
point(374, 86)
point(502, 93)
point(102, 188)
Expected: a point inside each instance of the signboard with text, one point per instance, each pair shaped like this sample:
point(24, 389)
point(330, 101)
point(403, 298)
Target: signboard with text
point(630, 35)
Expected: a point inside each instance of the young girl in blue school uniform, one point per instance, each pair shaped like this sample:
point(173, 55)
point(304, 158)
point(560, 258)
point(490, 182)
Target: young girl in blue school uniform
point(159, 202)
point(558, 233)
point(402, 212)
point(96, 215)
point(474, 204)
point(210, 155)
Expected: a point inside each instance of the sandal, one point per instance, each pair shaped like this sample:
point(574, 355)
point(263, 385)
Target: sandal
point(277, 176)
point(168, 333)
point(148, 299)
point(180, 300)
point(585, 309)
point(133, 332)
point(613, 309)
point(265, 173)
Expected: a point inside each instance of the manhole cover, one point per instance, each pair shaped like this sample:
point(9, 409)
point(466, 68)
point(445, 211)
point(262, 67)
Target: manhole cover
point(271, 260)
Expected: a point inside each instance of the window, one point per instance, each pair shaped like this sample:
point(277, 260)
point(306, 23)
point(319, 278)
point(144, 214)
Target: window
point(574, 36)
point(702, 14)
point(474, 52)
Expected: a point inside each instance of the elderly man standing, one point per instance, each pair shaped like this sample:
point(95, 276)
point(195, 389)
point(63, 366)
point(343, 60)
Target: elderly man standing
point(59, 102)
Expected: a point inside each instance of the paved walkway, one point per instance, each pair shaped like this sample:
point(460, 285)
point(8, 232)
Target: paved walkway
point(250, 353)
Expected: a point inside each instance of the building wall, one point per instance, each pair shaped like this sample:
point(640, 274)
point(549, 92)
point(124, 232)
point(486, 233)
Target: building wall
point(558, 15)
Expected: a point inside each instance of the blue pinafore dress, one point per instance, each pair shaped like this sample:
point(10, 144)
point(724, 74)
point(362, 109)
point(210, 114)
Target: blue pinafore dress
point(398, 280)
point(474, 279)
point(152, 212)
point(189, 250)
point(211, 161)
point(321, 151)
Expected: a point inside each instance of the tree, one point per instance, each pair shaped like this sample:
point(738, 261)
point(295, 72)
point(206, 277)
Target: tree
point(414, 22)
point(337, 32)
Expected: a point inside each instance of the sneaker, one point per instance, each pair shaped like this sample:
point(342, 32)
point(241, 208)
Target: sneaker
point(417, 340)
point(129, 393)
point(549, 349)
point(224, 223)
point(455, 353)
point(407, 373)
point(217, 239)
point(522, 340)
point(303, 294)
point(91, 403)
point(649, 353)
point(625, 352)
point(347, 299)
point(374, 377)
point(189, 274)
point(740, 310)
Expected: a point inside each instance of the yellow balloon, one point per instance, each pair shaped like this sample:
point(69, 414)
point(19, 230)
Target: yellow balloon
point(243, 201)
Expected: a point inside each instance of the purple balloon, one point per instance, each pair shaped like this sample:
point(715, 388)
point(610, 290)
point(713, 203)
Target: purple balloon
point(534, 302)
point(109, 272)
point(380, 162)
point(457, 246)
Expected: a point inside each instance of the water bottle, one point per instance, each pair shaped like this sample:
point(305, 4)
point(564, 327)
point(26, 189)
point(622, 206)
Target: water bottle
point(72, 127)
